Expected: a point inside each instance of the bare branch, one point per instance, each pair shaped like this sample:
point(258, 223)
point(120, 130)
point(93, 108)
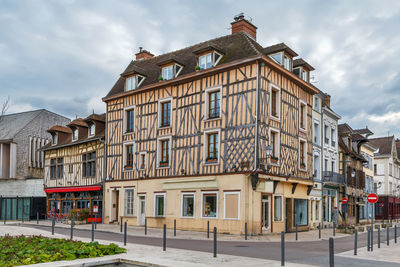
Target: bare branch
point(5, 107)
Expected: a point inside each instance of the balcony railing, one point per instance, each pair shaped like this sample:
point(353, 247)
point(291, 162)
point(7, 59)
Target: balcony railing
point(332, 177)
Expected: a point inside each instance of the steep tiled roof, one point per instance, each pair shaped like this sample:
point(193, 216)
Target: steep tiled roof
point(279, 47)
point(233, 46)
point(12, 124)
point(96, 117)
point(398, 148)
point(301, 62)
point(58, 128)
point(384, 144)
point(78, 122)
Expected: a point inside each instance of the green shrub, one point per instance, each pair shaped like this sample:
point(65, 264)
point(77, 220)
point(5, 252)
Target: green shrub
point(79, 214)
point(23, 250)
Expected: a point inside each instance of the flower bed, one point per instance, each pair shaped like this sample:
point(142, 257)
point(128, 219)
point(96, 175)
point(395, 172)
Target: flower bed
point(23, 250)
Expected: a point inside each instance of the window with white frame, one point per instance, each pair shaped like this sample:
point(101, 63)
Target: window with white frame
point(159, 204)
point(54, 139)
point(212, 146)
point(304, 75)
point(277, 57)
point(188, 201)
point(232, 205)
point(275, 102)
point(316, 165)
point(316, 102)
point(129, 119)
point(303, 115)
point(164, 152)
point(164, 112)
point(287, 63)
point(142, 161)
point(302, 153)
point(91, 129)
point(316, 132)
point(128, 156)
point(209, 60)
point(129, 198)
point(209, 204)
point(133, 82)
point(213, 103)
point(75, 134)
point(333, 139)
point(326, 132)
point(274, 142)
point(277, 208)
point(168, 72)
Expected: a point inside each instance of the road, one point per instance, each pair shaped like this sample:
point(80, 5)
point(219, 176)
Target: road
point(308, 252)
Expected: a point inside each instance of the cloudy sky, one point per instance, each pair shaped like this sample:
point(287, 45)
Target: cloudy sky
point(66, 55)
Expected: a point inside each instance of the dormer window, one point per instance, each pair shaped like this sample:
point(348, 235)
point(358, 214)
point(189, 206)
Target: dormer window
point(171, 71)
point(91, 129)
point(133, 82)
point(209, 60)
point(304, 75)
point(287, 63)
point(55, 139)
point(277, 57)
point(301, 73)
point(75, 134)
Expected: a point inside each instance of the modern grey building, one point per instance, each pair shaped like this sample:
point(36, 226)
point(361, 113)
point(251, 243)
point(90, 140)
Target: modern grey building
point(21, 162)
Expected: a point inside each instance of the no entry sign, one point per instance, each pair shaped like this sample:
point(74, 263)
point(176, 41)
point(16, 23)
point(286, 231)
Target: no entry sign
point(344, 200)
point(372, 198)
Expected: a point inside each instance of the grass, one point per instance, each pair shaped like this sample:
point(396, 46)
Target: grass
point(23, 250)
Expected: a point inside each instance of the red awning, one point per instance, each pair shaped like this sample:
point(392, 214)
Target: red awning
point(73, 189)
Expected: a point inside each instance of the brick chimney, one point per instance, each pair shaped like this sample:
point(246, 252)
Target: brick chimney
point(241, 24)
point(143, 54)
point(327, 100)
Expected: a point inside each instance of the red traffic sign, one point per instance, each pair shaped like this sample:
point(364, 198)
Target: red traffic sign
point(344, 200)
point(95, 209)
point(372, 198)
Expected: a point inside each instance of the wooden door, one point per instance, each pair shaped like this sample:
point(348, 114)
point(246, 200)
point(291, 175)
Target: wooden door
point(289, 214)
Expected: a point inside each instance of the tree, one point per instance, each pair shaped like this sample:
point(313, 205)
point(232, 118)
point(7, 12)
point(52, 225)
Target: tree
point(4, 107)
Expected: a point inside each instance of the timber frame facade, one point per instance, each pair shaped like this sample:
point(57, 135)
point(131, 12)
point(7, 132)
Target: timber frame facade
point(74, 167)
point(242, 184)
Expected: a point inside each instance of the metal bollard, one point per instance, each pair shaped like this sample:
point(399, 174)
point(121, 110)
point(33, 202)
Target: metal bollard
point(245, 231)
point(121, 224)
point(208, 229)
point(215, 242)
point(23, 211)
point(369, 240)
point(125, 231)
point(37, 217)
point(174, 227)
point(395, 234)
point(5, 211)
point(92, 231)
point(282, 248)
point(379, 237)
point(72, 229)
point(145, 226)
point(165, 238)
point(319, 231)
point(387, 235)
point(95, 221)
point(355, 241)
point(53, 222)
point(331, 253)
point(296, 232)
point(334, 228)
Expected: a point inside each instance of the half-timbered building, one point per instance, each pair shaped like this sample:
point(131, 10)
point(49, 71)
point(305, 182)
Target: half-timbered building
point(220, 131)
point(74, 166)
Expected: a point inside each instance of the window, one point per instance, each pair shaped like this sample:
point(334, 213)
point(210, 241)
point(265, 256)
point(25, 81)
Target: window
point(159, 209)
point(302, 154)
point(89, 165)
point(390, 169)
point(274, 142)
point(326, 130)
point(205, 61)
point(277, 208)
point(275, 101)
point(316, 133)
point(60, 167)
point(326, 165)
point(129, 120)
point(168, 72)
point(55, 138)
point(333, 133)
point(316, 166)
point(133, 82)
point(82, 204)
point(212, 146)
point(287, 63)
point(209, 203)
point(317, 210)
point(300, 212)
point(128, 154)
point(188, 205)
point(333, 166)
point(232, 205)
point(129, 196)
point(316, 103)
point(164, 113)
point(213, 103)
point(75, 134)
point(53, 168)
point(91, 129)
point(304, 75)
point(142, 160)
point(303, 115)
point(164, 149)
point(277, 57)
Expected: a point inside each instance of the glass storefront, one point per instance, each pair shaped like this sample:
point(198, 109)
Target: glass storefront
point(300, 212)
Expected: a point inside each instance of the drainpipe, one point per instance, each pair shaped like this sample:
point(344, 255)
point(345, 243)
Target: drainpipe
point(257, 118)
point(322, 161)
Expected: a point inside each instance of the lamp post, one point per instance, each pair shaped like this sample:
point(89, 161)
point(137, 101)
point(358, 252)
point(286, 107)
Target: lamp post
point(268, 150)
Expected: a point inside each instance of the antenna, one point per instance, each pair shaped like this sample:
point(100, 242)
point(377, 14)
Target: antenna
point(239, 16)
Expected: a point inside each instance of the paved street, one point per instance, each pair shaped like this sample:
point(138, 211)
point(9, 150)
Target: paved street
point(300, 252)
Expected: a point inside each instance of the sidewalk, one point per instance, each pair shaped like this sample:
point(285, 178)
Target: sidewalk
point(311, 235)
point(150, 254)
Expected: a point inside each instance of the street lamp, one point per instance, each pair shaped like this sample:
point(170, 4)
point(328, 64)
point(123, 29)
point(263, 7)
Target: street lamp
point(268, 150)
